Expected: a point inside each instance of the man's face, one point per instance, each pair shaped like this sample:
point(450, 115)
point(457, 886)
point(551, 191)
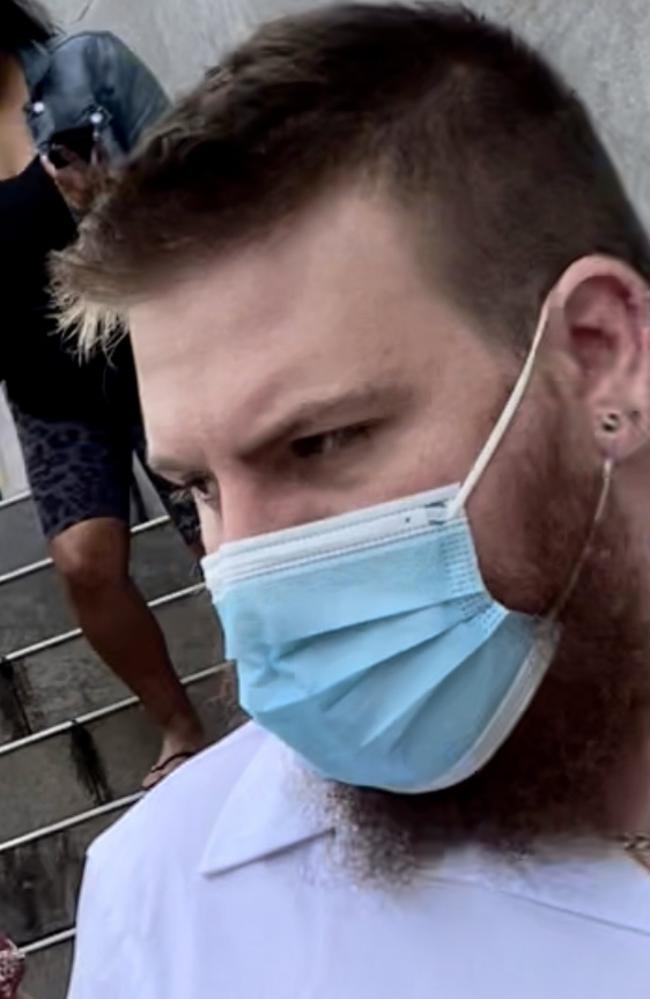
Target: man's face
point(323, 372)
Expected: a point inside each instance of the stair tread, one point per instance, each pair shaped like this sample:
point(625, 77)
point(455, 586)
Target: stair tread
point(76, 769)
point(33, 605)
point(48, 684)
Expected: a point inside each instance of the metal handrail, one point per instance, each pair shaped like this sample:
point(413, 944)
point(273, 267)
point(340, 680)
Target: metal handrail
point(67, 636)
point(47, 942)
point(45, 563)
point(97, 715)
point(73, 820)
point(18, 498)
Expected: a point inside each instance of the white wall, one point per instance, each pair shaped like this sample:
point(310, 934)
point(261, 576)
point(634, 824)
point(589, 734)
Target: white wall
point(12, 470)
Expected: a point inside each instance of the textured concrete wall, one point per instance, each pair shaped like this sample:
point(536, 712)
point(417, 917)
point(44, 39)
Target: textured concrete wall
point(602, 46)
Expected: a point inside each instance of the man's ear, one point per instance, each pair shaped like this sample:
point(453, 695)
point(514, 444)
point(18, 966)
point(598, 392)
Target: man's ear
point(604, 307)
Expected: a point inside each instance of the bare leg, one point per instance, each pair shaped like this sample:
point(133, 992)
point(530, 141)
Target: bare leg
point(93, 559)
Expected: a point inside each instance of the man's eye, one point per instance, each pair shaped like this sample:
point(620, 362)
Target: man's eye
point(321, 445)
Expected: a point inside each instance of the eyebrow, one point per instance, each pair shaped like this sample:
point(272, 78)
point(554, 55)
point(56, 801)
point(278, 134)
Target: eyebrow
point(311, 416)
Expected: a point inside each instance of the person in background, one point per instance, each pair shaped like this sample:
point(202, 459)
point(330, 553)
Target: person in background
point(412, 396)
point(12, 967)
point(69, 108)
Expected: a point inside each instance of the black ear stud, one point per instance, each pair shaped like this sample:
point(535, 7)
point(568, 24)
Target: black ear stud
point(611, 423)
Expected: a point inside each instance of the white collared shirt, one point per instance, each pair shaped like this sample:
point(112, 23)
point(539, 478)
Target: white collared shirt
point(220, 885)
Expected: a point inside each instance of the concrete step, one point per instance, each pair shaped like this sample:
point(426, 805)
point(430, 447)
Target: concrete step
point(41, 873)
point(102, 757)
point(49, 963)
point(63, 678)
point(33, 606)
point(21, 538)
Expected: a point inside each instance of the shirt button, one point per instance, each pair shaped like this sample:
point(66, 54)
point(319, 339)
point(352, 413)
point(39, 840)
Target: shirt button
point(38, 107)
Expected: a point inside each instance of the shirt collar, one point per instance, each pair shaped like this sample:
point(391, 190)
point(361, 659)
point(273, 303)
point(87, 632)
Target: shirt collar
point(263, 814)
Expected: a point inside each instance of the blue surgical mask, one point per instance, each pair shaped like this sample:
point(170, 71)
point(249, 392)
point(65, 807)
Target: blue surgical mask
point(369, 643)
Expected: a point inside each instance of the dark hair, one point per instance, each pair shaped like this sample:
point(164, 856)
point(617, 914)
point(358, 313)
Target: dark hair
point(23, 22)
point(459, 122)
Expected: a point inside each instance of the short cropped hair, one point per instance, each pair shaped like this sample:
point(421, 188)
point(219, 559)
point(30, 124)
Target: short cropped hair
point(489, 153)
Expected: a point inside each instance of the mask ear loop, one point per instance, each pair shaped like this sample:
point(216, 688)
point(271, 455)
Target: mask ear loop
point(606, 482)
point(457, 505)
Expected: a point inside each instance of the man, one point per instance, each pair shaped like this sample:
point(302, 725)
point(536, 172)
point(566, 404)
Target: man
point(68, 108)
point(380, 253)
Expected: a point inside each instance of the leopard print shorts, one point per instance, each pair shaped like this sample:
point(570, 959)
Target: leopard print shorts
point(80, 470)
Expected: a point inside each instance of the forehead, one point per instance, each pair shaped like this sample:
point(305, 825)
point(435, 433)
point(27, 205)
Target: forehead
point(335, 301)
point(343, 251)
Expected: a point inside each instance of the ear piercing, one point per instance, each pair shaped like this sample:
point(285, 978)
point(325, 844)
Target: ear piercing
point(611, 423)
